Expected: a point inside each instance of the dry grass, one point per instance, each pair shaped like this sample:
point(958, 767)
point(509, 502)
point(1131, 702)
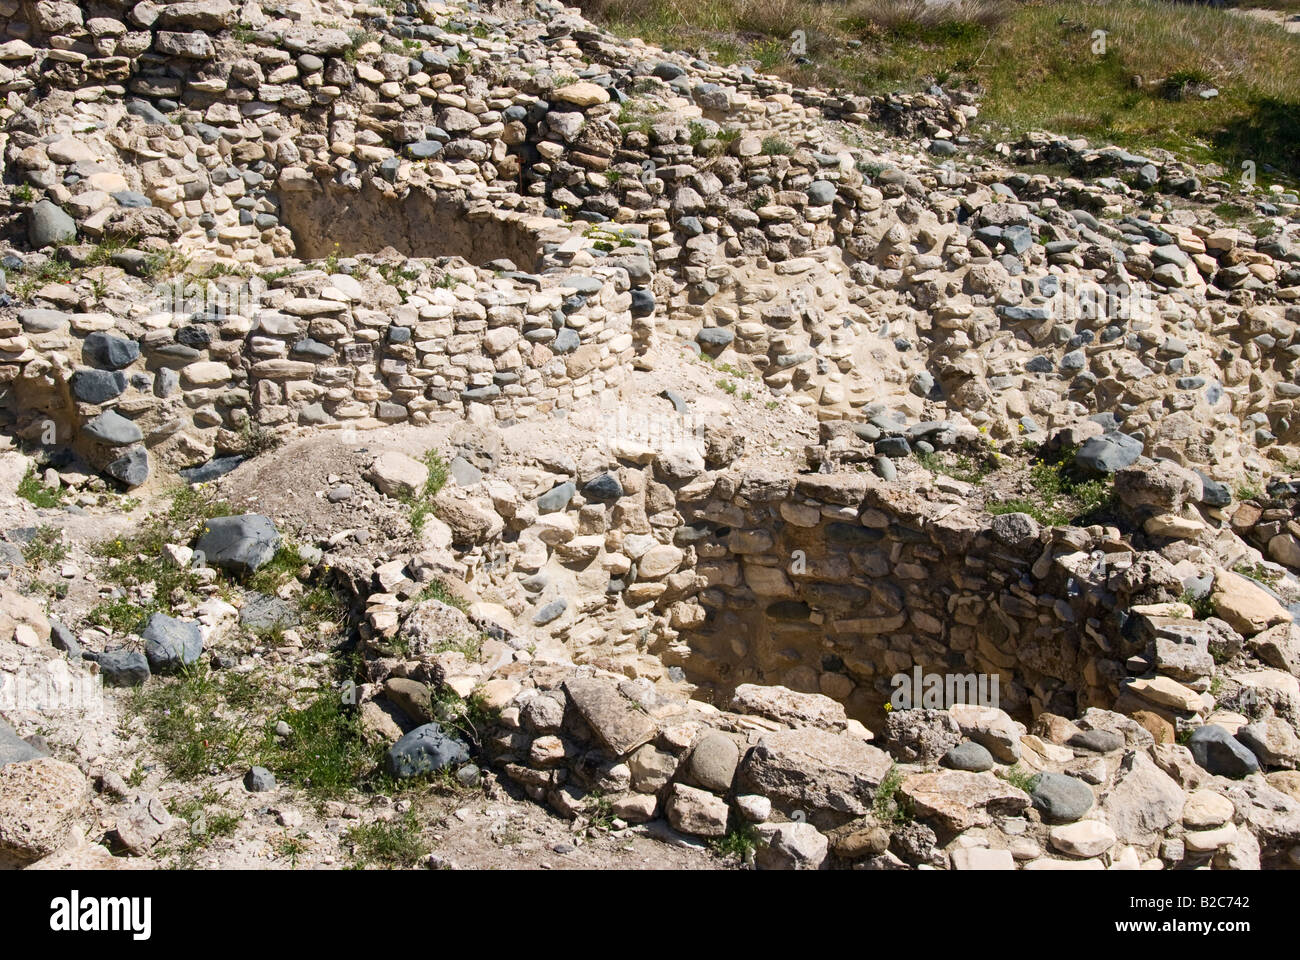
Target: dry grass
point(921, 21)
point(768, 18)
point(1033, 59)
point(1282, 6)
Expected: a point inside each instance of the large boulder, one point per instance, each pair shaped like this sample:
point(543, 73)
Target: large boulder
point(615, 720)
point(1273, 742)
point(132, 468)
point(40, 802)
point(425, 749)
point(472, 520)
point(413, 698)
point(1279, 647)
point(142, 824)
point(1163, 486)
point(790, 846)
point(1247, 607)
point(696, 812)
point(109, 352)
point(121, 667)
point(1016, 530)
point(137, 223)
point(582, 94)
point(111, 428)
point(921, 736)
point(1215, 749)
point(1060, 797)
point(789, 707)
point(958, 800)
point(197, 15)
point(991, 728)
point(1142, 802)
point(47, 225)
point(171, 644)
point(96, 386)
point(1086, 838)
point(397, 475)
point(241, 544)
point(557, 498)
point(432, 621)
point(969, 756)
point(1109, 453)
point(1182, 646)
point(713, 760)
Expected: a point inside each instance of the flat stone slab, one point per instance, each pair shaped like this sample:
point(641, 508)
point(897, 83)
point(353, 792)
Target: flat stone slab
point(960, 799)
point(811, 769)
point(789, 707)
point(619, 723)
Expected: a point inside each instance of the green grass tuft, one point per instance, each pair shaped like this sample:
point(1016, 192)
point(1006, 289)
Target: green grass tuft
point(201, 721)
point(325, 754)
point(277, 571)
point(392, 844)
point(45, 547)
point(137, 560)
point(32, 489)
point(776, 147)
point(1035, 63)
point(739, 842)
point(421, 505)
point(1020, 778)
point(1059, 493)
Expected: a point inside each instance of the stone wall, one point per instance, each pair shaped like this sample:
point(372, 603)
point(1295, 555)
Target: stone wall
point(311, 350)
point(833, 584)
point(799, 780)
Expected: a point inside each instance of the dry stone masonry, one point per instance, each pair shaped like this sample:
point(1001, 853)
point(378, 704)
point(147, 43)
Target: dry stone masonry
point(659, 416)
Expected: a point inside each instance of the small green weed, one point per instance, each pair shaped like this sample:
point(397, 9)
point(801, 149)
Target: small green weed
point(395, 843)
point(739, 842)
point(888, 806)
point(421, 504)
point(1019, 778)
point(32, 489)
point(45, 547)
